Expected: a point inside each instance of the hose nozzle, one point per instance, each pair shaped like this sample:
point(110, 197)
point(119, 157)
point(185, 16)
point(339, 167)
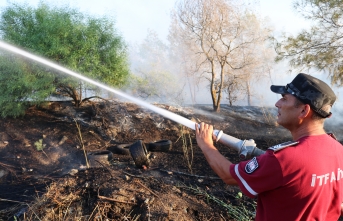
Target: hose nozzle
point(246, 148)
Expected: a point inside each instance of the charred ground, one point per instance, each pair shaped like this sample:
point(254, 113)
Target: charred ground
point(43, 173)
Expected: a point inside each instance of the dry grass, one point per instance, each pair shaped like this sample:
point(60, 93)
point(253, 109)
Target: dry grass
point(56, 204)
point(269, 118)
point(187, 146)
point(64, 201)
point(81, 141)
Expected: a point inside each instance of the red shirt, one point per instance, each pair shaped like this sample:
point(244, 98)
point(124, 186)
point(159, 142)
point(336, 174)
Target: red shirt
point(300, 182)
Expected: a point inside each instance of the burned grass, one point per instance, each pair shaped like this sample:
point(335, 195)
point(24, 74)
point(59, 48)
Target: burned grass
point(57, 184)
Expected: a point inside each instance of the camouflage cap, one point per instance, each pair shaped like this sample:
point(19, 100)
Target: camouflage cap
point(309, 90)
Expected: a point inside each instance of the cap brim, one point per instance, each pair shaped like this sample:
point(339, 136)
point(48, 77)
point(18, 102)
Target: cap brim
point(278, 89)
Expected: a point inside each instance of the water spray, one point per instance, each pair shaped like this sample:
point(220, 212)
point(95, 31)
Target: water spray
point(246, 148)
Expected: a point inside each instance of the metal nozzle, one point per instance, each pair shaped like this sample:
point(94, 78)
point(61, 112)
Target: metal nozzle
point(245, 148)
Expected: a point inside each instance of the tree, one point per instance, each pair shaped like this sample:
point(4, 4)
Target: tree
point(22, 84)
point(85, 44)
point(233, 88)
point(222, 38)
point(321, 46)
point(260, 57)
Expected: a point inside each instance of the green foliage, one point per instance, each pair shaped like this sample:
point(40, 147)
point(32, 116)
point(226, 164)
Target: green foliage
point(321, 46)
point(39, 145)
point(77, 41)
point(22, 85)
point(239, 213)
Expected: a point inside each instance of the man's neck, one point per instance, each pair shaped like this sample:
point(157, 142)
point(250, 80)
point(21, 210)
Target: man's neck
point(307, 130)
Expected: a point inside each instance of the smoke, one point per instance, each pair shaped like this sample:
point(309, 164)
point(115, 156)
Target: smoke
point(162, 78)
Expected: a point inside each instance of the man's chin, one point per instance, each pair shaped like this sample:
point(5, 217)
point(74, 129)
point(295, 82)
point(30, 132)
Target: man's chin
point(279, 122)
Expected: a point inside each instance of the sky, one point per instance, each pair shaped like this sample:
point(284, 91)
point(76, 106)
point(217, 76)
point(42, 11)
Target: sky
point(135, 17)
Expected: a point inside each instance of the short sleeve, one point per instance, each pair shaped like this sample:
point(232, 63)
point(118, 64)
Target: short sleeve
point(258, 175)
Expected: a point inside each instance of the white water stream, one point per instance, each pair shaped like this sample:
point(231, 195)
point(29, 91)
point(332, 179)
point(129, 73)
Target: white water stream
point(174, 117)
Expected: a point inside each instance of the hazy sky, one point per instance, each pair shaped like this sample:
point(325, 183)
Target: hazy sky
point(135, 17)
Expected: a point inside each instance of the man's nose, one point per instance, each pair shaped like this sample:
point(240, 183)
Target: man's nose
point(277, 104)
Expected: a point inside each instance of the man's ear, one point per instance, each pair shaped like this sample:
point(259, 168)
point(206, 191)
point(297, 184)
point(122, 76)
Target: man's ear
point(306, 109)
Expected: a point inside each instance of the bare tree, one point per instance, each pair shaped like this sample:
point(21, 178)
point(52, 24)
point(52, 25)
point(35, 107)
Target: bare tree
point(234, 88)
point(222, 38)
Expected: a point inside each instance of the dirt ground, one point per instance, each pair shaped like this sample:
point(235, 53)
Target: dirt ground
point(44, 155)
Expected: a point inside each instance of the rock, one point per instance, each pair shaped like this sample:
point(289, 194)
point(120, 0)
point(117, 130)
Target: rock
point(176, 189)
point(63, 140)
point(3, 173)
point(99, 158)
point(73, 172)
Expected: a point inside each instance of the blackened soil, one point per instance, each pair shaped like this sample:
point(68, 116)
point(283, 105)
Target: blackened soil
point(44, 173)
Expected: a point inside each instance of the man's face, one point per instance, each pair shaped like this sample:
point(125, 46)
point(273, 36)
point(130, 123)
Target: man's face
point(288, 112)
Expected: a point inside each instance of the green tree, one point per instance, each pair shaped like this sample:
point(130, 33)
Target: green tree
point(321, 46)
point(22, 84)
point(85, 44)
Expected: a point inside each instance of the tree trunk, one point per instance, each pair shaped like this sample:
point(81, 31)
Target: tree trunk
point(216, 108)
point(213, 88)
point(76, 97)
point(248, 93)
point(191, 90)
point(220, 87)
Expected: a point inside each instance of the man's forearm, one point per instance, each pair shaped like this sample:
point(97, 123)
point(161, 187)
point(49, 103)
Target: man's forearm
point(219, 164)
point(217, 161)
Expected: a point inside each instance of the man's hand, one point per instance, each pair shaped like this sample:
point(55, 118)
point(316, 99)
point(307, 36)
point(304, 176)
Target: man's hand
point(220, 165)
point(204, 135)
